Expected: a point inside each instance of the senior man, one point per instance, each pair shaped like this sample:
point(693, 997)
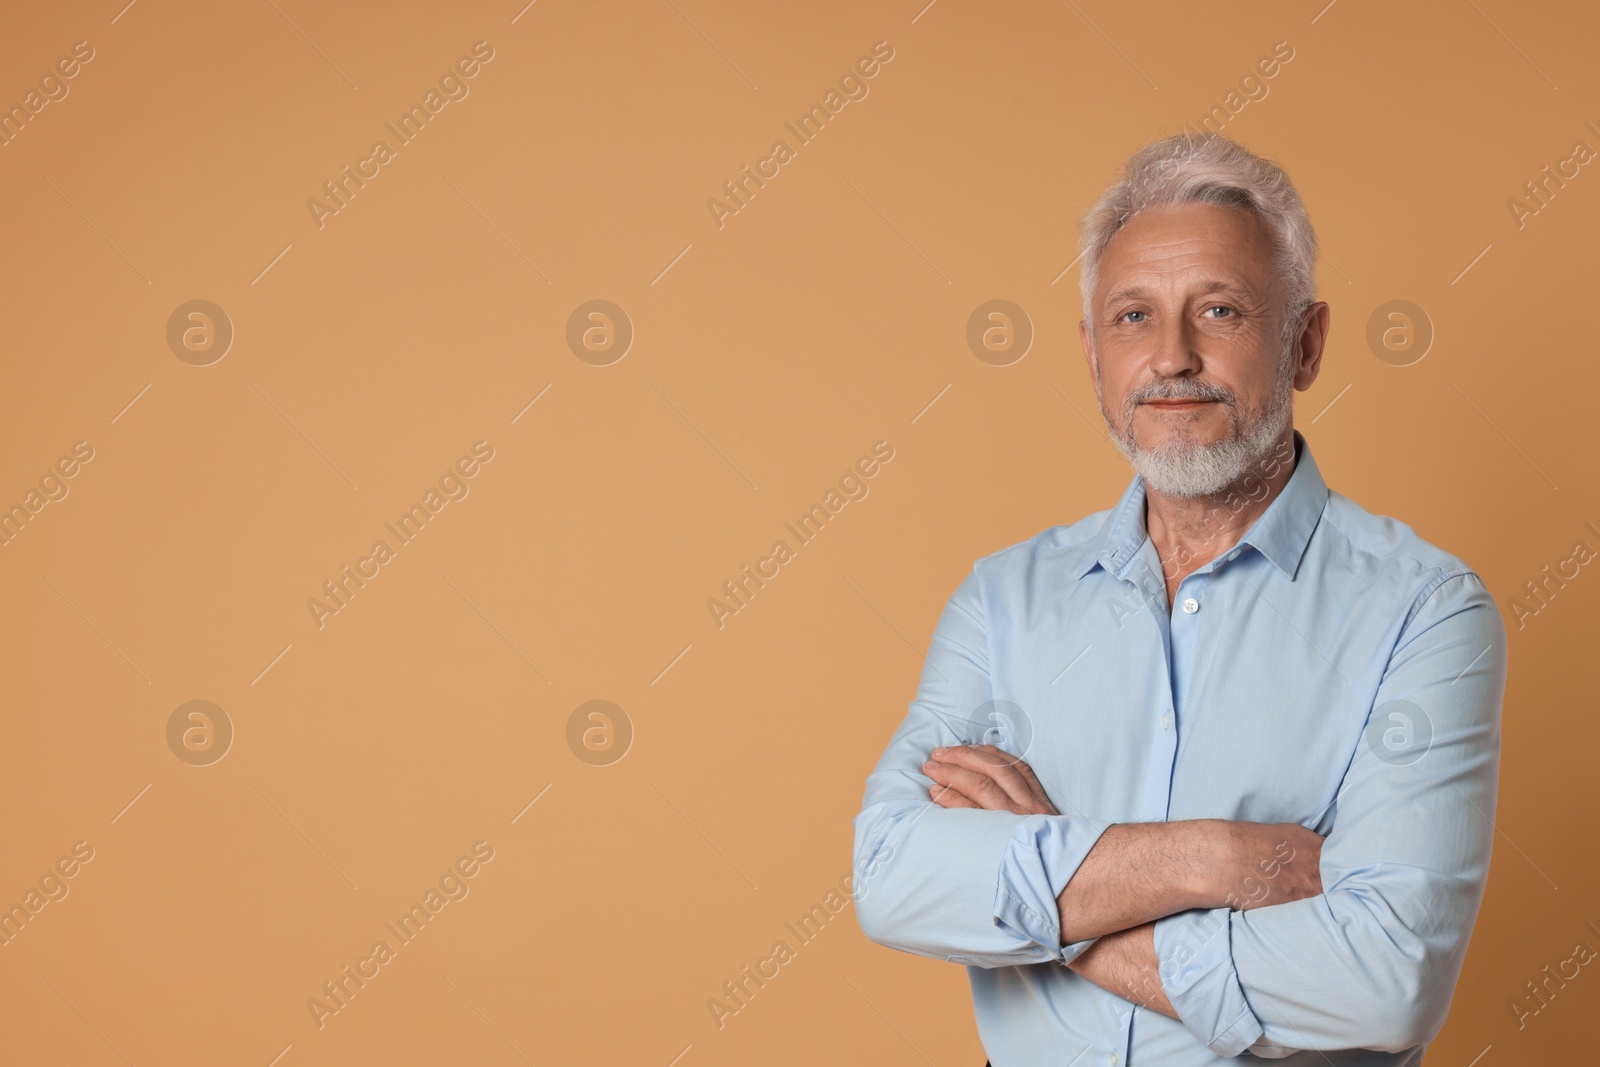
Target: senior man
point(1211, 772)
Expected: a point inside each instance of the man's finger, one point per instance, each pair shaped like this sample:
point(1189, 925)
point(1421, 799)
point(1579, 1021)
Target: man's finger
point(999, 757)
point(987, 755)
point(949, 797)
point(1002, 771)
point(1027, 773)
point(973, 783)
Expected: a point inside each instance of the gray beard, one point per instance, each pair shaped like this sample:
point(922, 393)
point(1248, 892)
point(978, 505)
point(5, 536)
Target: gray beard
point(1184, 469)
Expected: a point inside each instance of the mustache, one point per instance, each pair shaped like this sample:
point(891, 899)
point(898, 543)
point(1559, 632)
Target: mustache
point(1179, 389)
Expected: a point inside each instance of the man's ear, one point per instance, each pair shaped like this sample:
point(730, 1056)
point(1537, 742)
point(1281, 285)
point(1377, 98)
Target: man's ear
point(1310, 344)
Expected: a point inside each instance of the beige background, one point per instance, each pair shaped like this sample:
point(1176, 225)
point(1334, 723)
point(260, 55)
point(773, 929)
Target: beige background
point(769, 354)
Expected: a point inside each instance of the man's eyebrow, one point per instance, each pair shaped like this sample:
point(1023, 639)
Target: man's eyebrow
point(1132, 292)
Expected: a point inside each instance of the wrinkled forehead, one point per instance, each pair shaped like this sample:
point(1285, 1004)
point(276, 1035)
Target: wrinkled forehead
point(1188, 250)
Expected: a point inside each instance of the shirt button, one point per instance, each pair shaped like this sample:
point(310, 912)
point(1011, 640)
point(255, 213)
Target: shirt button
point(1115, 1059)
point(1166, 721)
point(1191, 606)
point(1233, 555)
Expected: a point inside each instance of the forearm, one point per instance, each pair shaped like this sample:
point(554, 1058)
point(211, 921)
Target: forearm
point(1125, 963)
point(1139, 872)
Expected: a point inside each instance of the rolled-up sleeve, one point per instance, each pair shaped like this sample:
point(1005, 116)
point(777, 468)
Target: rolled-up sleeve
point(1194, 954)
point(961, 884)
point(1042, 855)
point(1373, 961)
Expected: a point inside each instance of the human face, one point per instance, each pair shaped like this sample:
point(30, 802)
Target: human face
point(1192, 366)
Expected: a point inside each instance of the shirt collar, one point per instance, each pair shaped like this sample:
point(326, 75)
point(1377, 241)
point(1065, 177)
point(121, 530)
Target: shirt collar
point(1280, 533)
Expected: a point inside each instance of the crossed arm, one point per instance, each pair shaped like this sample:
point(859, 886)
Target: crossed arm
point(1137, 873)
point(1175, 916)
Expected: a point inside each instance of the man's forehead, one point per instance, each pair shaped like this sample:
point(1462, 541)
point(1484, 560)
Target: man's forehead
point(1205, 248)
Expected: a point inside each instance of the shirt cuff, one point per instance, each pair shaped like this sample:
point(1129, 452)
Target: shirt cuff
point(1041, 856)
point(1194, 952)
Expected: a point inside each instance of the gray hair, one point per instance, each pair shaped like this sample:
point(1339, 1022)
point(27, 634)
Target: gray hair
point(1207, 169)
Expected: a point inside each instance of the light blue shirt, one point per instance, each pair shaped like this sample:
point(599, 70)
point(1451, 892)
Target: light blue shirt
point(1331, 669)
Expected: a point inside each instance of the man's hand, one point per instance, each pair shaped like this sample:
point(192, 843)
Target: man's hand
point(983, 776)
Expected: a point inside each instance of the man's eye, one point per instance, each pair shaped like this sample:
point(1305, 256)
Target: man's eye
point(1220, 307)
point(1125, 314)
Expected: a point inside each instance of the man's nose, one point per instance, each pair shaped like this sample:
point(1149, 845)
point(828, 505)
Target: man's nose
point(1174, 354)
